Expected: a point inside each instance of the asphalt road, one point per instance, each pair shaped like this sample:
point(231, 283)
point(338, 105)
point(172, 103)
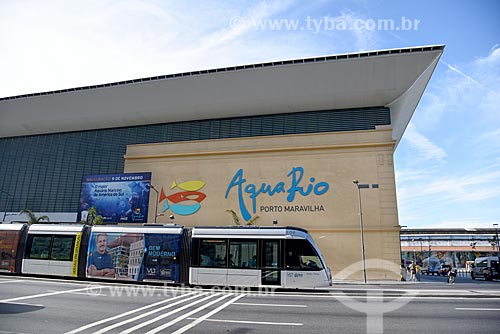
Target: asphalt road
point(34, 305)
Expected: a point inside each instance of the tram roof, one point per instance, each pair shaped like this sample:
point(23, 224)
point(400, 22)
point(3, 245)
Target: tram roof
point(248, 231)
point(55, 228)
point(394, 78)
point(168, 229)
point(12, 227)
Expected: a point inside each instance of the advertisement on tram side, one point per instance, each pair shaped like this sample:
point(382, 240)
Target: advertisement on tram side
point(134, 256)
point(9, 241)
point(118, 198)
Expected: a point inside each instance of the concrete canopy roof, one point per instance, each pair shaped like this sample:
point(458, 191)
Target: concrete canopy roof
point(394, 78)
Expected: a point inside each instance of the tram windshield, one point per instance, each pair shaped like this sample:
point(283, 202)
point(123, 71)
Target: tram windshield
point(300, 255)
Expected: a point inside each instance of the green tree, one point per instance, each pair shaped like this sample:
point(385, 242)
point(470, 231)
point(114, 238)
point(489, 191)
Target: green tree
point(237, 220)
point(93, 218)
point(32, 218)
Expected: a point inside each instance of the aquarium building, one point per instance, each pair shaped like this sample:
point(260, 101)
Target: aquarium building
point(281, 140)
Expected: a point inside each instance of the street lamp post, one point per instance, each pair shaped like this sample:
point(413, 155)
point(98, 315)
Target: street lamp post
point(6, 204)
point(498, 244)
point(421, 250)
point(430, 248)
point(414, 256)
point(362, 186)
point(156, 203)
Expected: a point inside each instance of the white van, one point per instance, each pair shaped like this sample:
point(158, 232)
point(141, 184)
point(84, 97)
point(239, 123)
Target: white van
point(486, 267)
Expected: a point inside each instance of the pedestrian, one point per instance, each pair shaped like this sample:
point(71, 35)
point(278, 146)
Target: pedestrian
point(413, 272)
point(417, 271)
point(402, 273)
point(452, 274)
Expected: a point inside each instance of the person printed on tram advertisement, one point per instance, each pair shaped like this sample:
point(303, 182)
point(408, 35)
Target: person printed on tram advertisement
point(100, 262)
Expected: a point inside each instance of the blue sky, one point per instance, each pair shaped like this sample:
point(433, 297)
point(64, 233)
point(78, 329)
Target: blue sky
point(448, 162)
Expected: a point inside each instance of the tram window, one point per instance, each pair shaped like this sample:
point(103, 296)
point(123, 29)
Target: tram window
point(212, 253)
point(40, 247)
point(242, 254)
point(300, 255)
point(271, 253)
point(62, 248)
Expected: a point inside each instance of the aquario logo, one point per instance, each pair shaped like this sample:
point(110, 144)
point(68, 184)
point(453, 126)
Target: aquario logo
point(295, 187)
point(185, 202)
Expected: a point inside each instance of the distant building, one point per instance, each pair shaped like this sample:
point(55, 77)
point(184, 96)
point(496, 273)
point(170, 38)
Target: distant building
point(450, 246)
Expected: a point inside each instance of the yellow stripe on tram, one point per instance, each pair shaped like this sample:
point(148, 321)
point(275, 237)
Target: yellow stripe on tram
point(76, 251)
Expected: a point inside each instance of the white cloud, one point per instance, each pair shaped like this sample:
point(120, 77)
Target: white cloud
point(426, 149)
point(453, 187)
point(470, 90)
point(365, 39)
point(59, 44)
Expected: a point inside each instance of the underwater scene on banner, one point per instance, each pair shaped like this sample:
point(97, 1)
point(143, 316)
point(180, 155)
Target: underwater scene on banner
point(134, 256)
point(117, 198)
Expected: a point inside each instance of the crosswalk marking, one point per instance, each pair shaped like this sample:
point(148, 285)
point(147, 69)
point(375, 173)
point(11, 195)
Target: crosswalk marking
point(104, 330)
point(148, 319)
point(80, 329)
point(168, 324)
point(206, 316)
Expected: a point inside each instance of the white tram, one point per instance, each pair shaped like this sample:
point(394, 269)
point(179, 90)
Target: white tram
point(253, 256)
point(249, 256)
point(53, 250)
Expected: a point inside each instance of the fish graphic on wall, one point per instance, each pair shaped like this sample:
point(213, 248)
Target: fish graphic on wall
point(185, 202)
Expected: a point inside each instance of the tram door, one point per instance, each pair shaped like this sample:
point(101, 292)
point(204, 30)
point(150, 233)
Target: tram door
point(271, 274)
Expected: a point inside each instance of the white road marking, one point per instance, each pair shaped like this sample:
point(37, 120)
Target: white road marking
point(253, 322)
point(104, 330)
point(26, 304)
point(80, 329)
point(175, 311)
point(276, 305)
point(10, 281)
point(206, 316)
point(43, 295)
point(83, 293)
point(185, 328)
point(476, 309)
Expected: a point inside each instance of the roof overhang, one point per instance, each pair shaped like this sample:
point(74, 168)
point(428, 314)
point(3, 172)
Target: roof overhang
point(395, 78)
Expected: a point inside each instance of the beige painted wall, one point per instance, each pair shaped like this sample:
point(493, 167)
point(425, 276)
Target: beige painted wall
point(332, 218)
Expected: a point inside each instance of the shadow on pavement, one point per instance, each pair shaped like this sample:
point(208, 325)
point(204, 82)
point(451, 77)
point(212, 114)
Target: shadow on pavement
point(14, 308)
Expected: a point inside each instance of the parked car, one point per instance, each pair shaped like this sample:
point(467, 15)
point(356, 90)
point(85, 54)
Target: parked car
point(486, 267)
point(431, 266)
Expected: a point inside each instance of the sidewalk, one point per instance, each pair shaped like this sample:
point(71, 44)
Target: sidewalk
point(423, 288)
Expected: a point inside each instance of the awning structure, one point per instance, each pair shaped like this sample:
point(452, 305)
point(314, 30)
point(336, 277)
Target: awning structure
point(395, 78)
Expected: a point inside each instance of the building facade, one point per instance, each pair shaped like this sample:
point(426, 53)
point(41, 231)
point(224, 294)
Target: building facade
point(282, 141)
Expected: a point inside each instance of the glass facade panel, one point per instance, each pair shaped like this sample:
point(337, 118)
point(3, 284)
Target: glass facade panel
point(44, 173)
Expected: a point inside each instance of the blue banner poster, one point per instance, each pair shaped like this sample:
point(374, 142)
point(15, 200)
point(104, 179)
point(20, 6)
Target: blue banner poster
point(134, 256)
point(118, 198)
